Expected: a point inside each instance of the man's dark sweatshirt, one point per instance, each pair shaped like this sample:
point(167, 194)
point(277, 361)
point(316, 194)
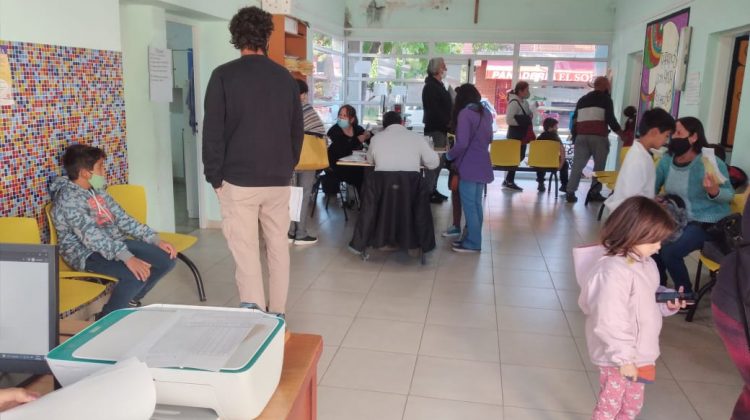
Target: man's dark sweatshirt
point(253, 125)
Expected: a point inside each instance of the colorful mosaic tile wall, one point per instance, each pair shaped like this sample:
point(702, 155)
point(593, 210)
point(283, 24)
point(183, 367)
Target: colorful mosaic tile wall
point(62, 95)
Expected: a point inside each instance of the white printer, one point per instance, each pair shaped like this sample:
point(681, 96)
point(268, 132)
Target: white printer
point(240, 352)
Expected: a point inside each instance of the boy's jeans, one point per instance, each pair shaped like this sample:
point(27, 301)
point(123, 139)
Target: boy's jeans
point(128, 286)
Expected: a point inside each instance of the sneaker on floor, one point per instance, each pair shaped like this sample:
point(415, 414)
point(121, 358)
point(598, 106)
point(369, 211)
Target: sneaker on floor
point(434, 199)
point(353, 251)
point(134, 304)
point(541, 187)
point(290, 237)
point(596, 197)
point(571, 198)
point(452, 231)
point(564, 188)
point(307, 240)
point(460, 248)
point(456, 243)
point(436, 193)
point(511, 186)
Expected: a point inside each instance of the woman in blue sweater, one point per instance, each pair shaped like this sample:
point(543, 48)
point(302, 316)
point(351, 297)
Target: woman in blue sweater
point(682, 172)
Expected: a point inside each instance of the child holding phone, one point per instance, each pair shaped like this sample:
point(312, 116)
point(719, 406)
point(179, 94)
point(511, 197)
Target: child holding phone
point(618, 282)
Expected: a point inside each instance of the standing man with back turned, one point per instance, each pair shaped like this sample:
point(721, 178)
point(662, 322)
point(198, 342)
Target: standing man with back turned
point(437, 104)
point(593, 117)
point(252, 138)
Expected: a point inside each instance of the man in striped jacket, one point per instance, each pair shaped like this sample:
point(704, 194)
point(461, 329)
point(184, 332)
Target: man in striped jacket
point(593, 117)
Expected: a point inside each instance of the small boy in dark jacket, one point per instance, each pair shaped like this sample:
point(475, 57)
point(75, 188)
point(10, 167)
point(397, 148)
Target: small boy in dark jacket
point(550, 133)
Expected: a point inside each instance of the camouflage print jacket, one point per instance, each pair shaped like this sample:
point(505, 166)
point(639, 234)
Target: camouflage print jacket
point(89, 221)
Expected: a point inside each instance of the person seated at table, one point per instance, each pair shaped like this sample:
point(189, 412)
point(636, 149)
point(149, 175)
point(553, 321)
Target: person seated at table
point(682, 172)
point(637, 174)
point(96, 234)
point(346, 137)
point(398, 149)
point(550, 133)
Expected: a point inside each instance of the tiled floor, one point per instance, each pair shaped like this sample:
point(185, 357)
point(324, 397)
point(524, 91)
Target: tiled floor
point(491, 336)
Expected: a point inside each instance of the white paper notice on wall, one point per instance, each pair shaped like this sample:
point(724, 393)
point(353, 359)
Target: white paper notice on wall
point(160, 74)
point(295, 203)
point(692, 93)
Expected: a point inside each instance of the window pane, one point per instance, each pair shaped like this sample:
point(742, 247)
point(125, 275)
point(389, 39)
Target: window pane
point(327, 41)
point(478, 48)
point(327, 113)
point(578, 71)
point(556, 101)
point(327, 76)
point(564, 50)
point(493, 79)
point(535, 71)
point(388, 67)
point(393, 48)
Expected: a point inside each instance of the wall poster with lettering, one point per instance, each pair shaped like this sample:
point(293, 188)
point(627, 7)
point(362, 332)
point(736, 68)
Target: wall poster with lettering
point(660, 63)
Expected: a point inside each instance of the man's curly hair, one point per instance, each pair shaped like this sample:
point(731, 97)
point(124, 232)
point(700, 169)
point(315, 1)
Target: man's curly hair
point(250, 28)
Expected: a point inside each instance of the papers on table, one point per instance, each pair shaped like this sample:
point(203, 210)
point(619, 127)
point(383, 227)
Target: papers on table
point(711, 167)
point(356, 156)
point(185, 339)
point(123, 391)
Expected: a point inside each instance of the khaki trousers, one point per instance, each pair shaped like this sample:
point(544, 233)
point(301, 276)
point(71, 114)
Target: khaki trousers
point(241, 209)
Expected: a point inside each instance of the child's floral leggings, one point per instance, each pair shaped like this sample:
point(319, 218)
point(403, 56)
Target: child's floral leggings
point(619, 398)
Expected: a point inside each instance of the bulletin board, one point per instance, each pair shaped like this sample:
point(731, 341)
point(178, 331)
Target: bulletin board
point(660, 63)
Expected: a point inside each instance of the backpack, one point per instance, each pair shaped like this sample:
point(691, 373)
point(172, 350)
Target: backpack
point(724, 237)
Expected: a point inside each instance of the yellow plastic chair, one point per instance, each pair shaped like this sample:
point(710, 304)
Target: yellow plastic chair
point(132, 198)
point(737, 205)
point(67, 271)
point(74, 294)
point(505, 154)
point(545, 154)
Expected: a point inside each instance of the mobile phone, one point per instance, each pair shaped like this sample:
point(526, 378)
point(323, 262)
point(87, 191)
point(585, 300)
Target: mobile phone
point(688, 297)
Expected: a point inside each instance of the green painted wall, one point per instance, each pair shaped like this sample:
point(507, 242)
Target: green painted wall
point(714, 23)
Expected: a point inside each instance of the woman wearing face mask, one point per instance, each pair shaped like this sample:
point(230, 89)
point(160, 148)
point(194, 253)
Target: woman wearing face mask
point(346, 136)
point(682, 172)
point(519, 118)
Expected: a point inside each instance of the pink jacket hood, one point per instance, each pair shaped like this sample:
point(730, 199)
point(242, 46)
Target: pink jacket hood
point(623, 319)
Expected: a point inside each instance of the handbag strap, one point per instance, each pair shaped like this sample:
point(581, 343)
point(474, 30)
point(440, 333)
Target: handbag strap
point(519, 104)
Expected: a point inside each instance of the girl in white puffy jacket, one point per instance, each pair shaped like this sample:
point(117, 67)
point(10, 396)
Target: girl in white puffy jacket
point(618, 282)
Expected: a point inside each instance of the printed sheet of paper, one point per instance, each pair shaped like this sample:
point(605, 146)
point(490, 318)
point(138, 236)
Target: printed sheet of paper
point(160, 74)
point(709, 162)
point(295, 203)
point(124, 391)
point(200, 341)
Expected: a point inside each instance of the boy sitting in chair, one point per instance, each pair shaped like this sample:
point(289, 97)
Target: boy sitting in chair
point(96, 235)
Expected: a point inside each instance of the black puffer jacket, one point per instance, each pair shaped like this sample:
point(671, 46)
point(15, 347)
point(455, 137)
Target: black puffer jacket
point(395, 212)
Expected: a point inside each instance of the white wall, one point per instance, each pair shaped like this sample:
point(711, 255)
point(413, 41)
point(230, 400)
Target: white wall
point(149, 146)
point(713, 21)
point(75, 23)
point(499, 20)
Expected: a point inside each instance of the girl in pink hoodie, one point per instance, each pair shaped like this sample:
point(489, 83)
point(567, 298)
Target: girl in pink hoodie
point(618, 282)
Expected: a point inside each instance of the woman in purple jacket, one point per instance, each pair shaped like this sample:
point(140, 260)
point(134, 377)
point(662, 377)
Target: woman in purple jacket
point(471, 158)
